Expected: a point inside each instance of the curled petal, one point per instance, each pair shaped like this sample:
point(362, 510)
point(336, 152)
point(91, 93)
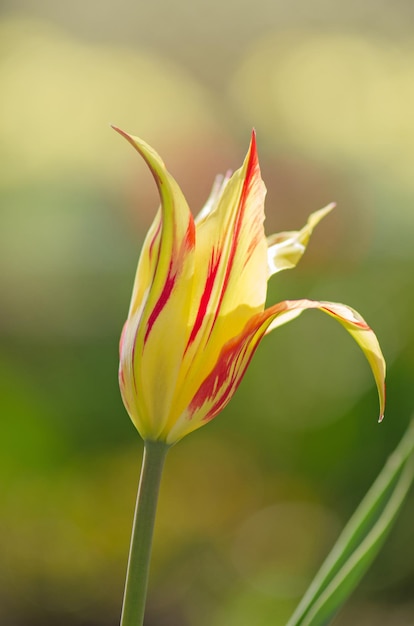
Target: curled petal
point(160, 304)
point(351, 320)
point(286, 249)
point(219, 385)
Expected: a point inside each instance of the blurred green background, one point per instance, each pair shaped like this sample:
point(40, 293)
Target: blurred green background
point(251, 503)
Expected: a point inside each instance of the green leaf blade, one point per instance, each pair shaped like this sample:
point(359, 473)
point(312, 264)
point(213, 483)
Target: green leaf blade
point(361, 539)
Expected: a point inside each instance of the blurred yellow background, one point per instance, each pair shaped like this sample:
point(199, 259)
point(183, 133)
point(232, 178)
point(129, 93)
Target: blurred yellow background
point(250, 504)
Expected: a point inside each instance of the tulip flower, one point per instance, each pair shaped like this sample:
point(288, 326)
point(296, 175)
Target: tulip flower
point(196, 317)
point(197, 311)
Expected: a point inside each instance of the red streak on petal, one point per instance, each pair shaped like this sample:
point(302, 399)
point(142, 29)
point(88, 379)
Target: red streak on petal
point(255, 240)
point(251, 170)
point(162, 300)
point(214, 264)
point(355, 321)
point(174, 270)
point(224, 379)
point(233, 383)
point(190, 234)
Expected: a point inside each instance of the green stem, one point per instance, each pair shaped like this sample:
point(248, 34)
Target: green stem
point(136, 584)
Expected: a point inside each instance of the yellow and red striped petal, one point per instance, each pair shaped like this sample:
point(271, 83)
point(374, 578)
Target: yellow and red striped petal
point(286, 249)
point(351, 320)
point(156, 329)
point(220, 384)
point(231, 271)
point(231, 251)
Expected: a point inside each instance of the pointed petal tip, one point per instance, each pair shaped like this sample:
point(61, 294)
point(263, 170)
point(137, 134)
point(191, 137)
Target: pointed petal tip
point(382, 399)
point(252, 156)
point(325, 210)
point(253, 142)
point(121, 132)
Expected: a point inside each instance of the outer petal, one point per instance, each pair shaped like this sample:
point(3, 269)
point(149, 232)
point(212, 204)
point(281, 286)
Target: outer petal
point(351, 320)
point(222, 381)
point(160, 305)
point(231, 271)
point(231, 250)
point(286, 249)
point(217, 388)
